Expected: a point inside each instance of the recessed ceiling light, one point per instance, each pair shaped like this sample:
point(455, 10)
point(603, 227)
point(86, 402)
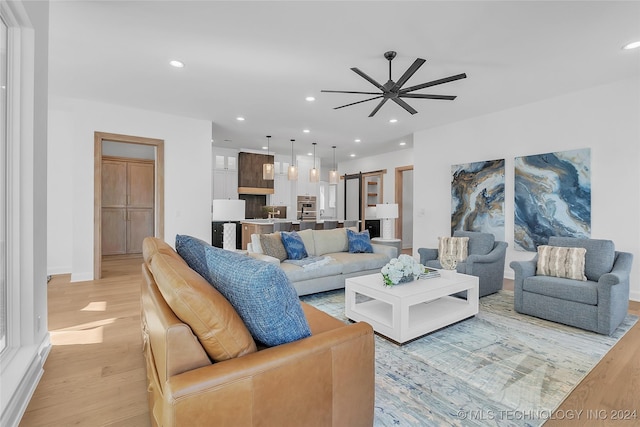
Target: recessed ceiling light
point(177, 64)
point(240, 118)
point(393, 120)
point(309, 154)
point(306, 130)
point(352, 155)
point(310, 98)
point(265, 148)
point(632, 45)
point(357, 140)
point(403, 143)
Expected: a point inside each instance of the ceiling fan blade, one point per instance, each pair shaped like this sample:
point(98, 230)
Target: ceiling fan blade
point(410, 72)
point(433, 83)
point(375, 110)
point(425, 96)
point(369, 79)
point(349, 91)
point(404, 105)
point(358, 102)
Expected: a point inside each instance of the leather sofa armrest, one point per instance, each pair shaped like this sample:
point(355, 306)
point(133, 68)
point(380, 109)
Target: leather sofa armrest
point(325, 377)
point(264, 257)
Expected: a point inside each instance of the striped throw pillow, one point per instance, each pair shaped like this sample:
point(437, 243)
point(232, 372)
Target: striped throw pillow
point(558, 261)
point(456, 246)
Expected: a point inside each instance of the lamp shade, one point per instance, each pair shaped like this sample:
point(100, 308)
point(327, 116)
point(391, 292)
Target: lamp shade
point(228, 210)
point(387, 210)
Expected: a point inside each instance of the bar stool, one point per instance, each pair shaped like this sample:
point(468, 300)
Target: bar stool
point(307, 225)
point(329, 225)
point(351, 223)
point(282, 226)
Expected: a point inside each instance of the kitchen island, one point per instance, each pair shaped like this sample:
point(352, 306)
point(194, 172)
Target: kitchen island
point(265, 226)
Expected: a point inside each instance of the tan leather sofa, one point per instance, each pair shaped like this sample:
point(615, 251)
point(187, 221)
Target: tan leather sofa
point(326, 379)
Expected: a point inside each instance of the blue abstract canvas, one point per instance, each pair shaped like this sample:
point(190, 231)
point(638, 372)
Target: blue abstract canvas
point(552, 197)
point(477, 197)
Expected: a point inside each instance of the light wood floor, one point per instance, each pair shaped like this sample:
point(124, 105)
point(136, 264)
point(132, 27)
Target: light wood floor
point(95, 374)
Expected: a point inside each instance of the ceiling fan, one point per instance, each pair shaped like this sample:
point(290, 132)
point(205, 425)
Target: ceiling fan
point(393, 90)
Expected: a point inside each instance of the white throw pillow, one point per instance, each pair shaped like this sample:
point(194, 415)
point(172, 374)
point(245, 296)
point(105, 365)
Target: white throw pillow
point(255, 244)
point(456, 246)
point(558, 261)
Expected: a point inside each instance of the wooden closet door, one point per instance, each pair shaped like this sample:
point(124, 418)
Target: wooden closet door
point(114, 231)
point(140, 185)
point(128, 195)
point(114, 184)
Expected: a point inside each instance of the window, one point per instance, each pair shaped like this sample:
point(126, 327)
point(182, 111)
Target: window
point(3, 184)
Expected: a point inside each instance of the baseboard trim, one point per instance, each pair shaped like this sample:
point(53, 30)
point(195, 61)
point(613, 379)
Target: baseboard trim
point(81, 277)
point(634, 296)
point(17, 405)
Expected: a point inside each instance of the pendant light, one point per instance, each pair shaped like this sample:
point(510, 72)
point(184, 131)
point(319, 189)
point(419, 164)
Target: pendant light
point(314, 174)
point(268, 171)
point(333, 174)
point(293, 170)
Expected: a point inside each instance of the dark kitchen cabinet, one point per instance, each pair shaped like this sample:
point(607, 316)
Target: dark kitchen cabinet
point(250, 174)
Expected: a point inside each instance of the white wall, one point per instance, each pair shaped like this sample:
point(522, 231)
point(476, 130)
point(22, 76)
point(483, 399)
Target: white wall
point(389, 161)
point(603, 118)
point(71, 135)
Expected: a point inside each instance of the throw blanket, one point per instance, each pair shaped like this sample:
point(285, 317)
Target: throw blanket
point(310, 263)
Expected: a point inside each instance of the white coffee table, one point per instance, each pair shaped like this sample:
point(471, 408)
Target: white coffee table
point(409, 310)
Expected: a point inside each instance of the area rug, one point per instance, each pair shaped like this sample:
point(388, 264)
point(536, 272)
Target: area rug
point(498, 368)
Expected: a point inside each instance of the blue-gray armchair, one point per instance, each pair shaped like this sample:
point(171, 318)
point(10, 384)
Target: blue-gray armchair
point(485, 260)
point(598, 304)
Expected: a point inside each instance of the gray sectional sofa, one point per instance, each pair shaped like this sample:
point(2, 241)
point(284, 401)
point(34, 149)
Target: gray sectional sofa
point(333, 263)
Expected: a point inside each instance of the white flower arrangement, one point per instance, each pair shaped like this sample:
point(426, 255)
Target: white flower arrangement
point(403, 268)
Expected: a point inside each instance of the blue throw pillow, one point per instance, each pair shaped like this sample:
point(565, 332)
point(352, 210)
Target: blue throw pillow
point(259, 291)
point(359, 242)
point(293, 244)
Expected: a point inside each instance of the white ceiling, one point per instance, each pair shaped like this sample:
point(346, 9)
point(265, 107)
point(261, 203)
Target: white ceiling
point(261, 59)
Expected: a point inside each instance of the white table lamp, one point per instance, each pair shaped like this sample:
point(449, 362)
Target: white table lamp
point(387, 213)
point(228, 210)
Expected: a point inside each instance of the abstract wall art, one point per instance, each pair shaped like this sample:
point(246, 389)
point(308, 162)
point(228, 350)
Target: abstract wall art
point(552, 197)
point(477, 197)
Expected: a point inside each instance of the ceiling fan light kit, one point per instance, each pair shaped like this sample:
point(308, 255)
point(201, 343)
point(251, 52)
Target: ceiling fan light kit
point(394, 90)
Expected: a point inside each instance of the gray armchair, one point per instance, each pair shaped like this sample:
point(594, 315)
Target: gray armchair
point(599, 304)
point(485, 260)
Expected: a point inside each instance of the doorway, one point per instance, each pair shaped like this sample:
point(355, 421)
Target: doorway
point(404, 199)
point(110, 164)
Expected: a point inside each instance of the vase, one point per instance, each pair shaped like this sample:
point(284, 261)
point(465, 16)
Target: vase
point(406, 279)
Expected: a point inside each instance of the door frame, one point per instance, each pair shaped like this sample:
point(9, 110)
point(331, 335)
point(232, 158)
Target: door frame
point(399, 183)
point(98, 139)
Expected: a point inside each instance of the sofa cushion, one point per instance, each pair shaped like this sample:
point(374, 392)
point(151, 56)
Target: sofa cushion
point(294, 245)
point(329, 241)
point(565, 289)
point(259, 291)
point(272, 245)
point(479, 243)
point(559, 261)
point(296, 273)
point(359, 242)
point(354, 262)
point(455, 246)
point(309, 241)
point(210, 316)
point(599, 258)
